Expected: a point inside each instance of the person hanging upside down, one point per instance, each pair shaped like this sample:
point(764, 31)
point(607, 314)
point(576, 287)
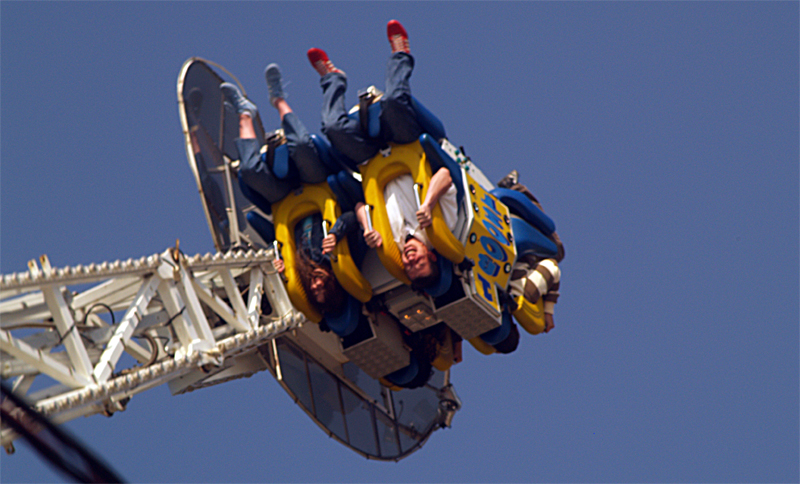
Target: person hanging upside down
point(313, 264)
point(534, 277)
point(399, 125)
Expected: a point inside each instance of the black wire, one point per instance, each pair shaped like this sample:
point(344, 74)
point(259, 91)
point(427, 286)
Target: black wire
point(83, 323)
point(108, 308)
point(61, 338)
point(171, 319)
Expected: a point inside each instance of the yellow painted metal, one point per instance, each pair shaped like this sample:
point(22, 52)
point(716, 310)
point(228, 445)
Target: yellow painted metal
point(444, 353)
point(482, 346)
point(375, 174)
point(489, 245)
point(308, 200)
point(530, 316)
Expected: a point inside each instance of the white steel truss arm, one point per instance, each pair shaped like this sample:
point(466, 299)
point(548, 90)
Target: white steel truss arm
point(187, 313)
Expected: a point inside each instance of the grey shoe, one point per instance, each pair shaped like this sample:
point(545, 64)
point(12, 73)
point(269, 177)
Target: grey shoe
point(509, 180)
point(240, 103)
point(274, 84)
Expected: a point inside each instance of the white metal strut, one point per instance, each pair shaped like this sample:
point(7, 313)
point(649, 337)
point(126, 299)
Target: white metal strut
point(187, 321)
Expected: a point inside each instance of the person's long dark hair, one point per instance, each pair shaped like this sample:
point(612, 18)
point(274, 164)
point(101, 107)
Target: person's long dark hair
point(334, 293)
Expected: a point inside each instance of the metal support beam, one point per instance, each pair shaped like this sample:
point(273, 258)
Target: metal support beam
point(234, 296)
point(69, 334)
point(255, 294)
point(173, 303)
point(124, 330)
point(194, 311)
point(220, 308)
point(42, 361)
point(276, 290)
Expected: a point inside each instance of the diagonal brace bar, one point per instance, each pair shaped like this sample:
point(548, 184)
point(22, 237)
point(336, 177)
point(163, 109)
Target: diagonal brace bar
point(62, 316)
point(125, 329)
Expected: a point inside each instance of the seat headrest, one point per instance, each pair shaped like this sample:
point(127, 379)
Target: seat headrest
point(498, 335)
point(530, 241)
point(404, 375)
point(346, 321)
point(520, 205)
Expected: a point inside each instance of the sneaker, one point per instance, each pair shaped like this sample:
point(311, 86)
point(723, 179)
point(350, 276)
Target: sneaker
point(240, 103)
point(320, 62)
point(398, 37)
point(509, 180)
point(274, 85)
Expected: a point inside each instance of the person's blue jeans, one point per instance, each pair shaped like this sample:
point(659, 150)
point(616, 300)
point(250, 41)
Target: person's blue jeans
point(398, 119)
point(258, 175)
point(302, 151)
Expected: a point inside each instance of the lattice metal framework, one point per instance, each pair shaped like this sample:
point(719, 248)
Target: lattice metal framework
point(187, 321)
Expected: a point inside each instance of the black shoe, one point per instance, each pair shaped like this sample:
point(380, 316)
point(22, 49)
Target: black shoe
point(509, 180)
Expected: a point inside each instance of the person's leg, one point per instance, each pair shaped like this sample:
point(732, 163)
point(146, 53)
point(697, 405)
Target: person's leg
point(243, 106)
point(544, 282)
point(343, 132)
point(509, 345)
point(398, 118)
point(541, 280)
point(255, 172)
point(252, 168)
point(301, 149)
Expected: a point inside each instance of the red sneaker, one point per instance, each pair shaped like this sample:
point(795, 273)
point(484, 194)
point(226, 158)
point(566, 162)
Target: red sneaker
point(320, 62)
point(398, 37)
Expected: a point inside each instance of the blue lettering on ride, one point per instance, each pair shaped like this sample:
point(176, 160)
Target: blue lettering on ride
point(494, 249)
point(489, 203)
point(487, 294)
point(488, 265)
point(493, 222)
point(494, 253)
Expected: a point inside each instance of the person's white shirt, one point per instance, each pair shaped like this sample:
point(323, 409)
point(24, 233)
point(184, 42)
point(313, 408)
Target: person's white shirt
point(401, 208)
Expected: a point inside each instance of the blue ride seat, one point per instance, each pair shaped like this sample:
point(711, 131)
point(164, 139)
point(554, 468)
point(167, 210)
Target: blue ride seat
point(437, 158)
point(346, 321)
point(405, 375)
point(428, 121)
point(499, 334)
point(262, 226)
point(345, 187)
point(281, 167)
point(333, 160)
point(522, 206)
point(533, 228)
point(529, 240)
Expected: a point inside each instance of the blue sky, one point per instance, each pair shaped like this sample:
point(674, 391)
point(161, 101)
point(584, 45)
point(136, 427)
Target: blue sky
point(662, 137)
